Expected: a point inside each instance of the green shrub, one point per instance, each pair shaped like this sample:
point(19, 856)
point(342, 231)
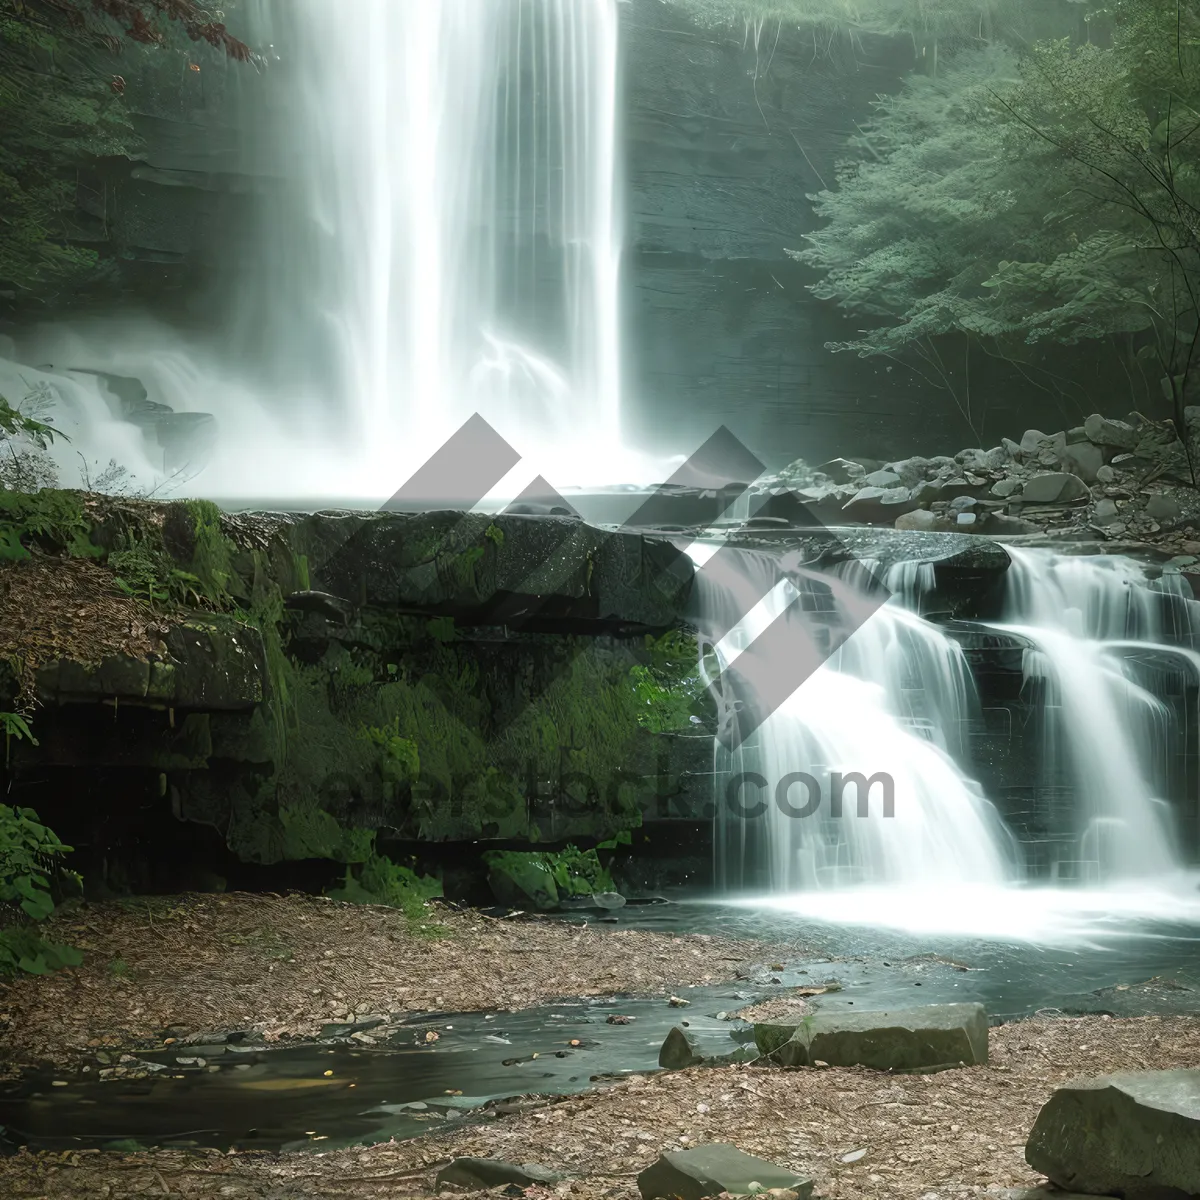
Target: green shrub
point(30, 858)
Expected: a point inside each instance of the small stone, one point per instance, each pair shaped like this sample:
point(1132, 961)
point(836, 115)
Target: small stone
point(679, 1050)
point(1105, 512)
point(1105, 474)
point(966, 519)
point(678, 1002)
point(1005, 487)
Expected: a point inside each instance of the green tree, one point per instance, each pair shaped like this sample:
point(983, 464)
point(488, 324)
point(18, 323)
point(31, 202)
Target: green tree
point(62, 107)
point(1013, 201)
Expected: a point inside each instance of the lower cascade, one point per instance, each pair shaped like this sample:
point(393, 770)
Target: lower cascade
point(863, 777)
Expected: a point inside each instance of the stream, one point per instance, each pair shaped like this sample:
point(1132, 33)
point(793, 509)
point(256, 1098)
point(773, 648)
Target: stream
point(249, 1096)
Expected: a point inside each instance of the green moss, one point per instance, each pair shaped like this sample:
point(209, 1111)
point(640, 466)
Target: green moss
point(212, 558)
point(51, 519)
point(545, 877)
point(378, 880)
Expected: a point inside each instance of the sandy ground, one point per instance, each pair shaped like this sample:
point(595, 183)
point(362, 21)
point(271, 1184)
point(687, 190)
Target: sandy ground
point(284, 965)
point(935, 1137)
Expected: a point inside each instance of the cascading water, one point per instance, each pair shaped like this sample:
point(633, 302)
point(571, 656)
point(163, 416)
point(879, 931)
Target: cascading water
point(897, 699)
point(893, 700)
point(441, 238)
point(1103, 729)
point(457, 172)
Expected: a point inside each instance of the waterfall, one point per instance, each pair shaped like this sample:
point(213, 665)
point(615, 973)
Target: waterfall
point(449, 243)
point(1103, 730)
point(897, 699)
point(893, 701)
point(438, 234)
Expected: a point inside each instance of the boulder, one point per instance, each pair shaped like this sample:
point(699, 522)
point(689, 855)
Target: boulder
point(480, 1174)
point(1005, 487)
point(1034, 441)
point(1163, 508)
point(842, 470)
point(920, 519)
point(1106, 512)
point(679, 1049)
point(876, 504)
point(910, 471)
point(929, 1037)
point(715, 1169)
point(882, 479)
point(997, 458)
point(1105, 475)
point(1135, 1135)
point(1115, 434)
point(1000, 524)
point(1055, 487)
point(1084, 459)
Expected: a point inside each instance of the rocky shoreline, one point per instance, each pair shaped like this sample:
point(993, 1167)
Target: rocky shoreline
point(1131, 481)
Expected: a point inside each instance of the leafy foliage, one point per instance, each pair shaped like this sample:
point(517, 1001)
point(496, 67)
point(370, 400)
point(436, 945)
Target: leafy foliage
point(1047, 197)
point(667, 688)
point(30, 857)
point(52, 519)
point(381, 881)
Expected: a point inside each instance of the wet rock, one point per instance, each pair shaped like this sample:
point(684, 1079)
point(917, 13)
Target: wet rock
point(1010, 447)
point(1055, 487)
point(1164, 508)
point(484, 1173)
point(1135, 1135)
point(1105, 474)
point(679, 1049)
point(603, 901)
point(711, 1170)
point(873, 505)
point(927, 493)
point(930, 1037)
point(1083, 459)
point(1005, 487)
point(1001, 525)
point(1116, 434)
point(1075, 435)
point(920, 519)
point(964, 520)
point(842, 470)
point(911, 471)
point(1105, 512)
point(882, 479)
point(1034, 442)
point(997, 458)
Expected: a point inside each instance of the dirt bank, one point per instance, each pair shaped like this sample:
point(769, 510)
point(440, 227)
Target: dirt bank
point(284, 965)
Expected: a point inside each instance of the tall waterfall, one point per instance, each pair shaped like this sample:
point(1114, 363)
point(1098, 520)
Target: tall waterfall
point(897, 699)
point(438, 234)
point(451, 244)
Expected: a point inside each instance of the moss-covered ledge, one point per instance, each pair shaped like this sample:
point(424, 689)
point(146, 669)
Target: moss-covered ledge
point(304, 683)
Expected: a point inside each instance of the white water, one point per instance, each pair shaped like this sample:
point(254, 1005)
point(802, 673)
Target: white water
point(897, 697)
point(445, 240)
point(893, 699)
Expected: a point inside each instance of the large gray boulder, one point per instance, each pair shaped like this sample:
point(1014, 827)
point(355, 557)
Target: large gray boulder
point(1117, 434)
point(1135, 1135)
point(1055, 487)
point(927, 1038)
point(712, 1169)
